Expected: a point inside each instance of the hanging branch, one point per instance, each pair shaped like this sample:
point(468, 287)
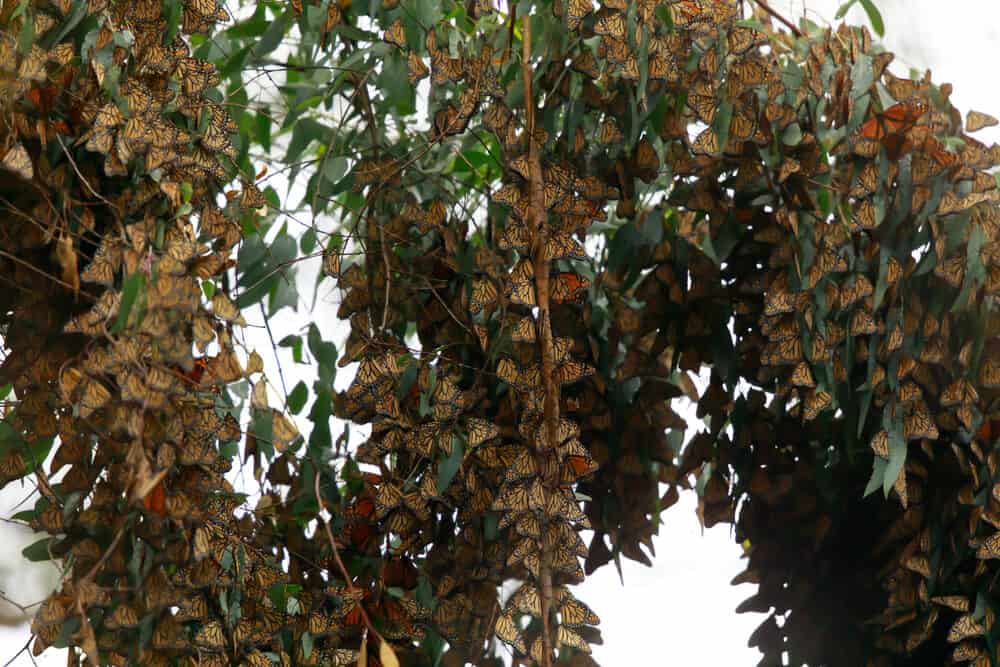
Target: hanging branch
point(774, 14)
point(540, 267)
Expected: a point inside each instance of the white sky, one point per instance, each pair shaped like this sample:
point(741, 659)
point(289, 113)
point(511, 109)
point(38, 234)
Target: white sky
point(683, 606)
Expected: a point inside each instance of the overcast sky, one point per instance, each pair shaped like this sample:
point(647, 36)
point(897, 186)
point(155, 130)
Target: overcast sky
point(682, 608)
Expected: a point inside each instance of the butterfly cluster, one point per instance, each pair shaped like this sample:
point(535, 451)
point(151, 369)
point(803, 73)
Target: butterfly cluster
point(665, 189)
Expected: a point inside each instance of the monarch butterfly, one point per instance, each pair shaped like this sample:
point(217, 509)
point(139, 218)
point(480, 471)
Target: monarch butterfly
point(889, 129)
point(509, 194)
point(566, 637)
point(706, 143)
point(522, 550)
point(977, 120)
point(416, 69)
point(965, 626)
point(573, 613)
point(444, 68)
point(742, 38)
point(395, 34)
point(802, 376)
point(952, 271)
point(702, 100)
point(17, 160)
point(956, 602)
point(479, 431)
point(909, 392)
point(858, 287)
point(815, 402)
point(610, 24)
point(866, 181)
point(523, 467)
point(192, 607)
point(609, 133)
point(862, 323)
point(788, 167)
point(567, 287)
point(123, 616)
point(387, 498)
point(969, 650)
point(961, 391)
point(12, 466)
point(507, 631)
point(527, 525)
point(210, 637)
point(919, 425)
point(498, 456)
point(526, 600)
point(156, 500)
point(521, 287)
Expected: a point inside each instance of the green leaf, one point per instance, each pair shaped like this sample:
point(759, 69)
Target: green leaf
point(272, 37)
point(875, 16)
point(305, 131)
point(897, 458)
point(262, 130)
point(406, 380)
point(284, 292)
point(226, 561)
point(448, 468)
point(723, 119)
point(307, 645)
point(297, 398)
point(294, 342)
point(395, 85)
point(172, 12)
point(844, 8)
point(878, 473)
point(320, 438)
point(308, 241)
point(38, 551)
point(335, 168)
point(26, 516)
point(130, 290)
point(325, 353)
point(792, 135)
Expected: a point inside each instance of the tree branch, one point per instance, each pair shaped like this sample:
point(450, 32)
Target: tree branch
point(774, 14)
point(536, 222)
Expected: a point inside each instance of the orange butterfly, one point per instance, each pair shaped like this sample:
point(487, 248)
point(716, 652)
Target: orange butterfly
point(897, 119)
point(937, 152)
point(156, 500)
point(889, 128)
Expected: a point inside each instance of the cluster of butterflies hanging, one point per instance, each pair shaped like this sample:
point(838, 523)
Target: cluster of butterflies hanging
point(861, 221)
point(839, 217)
point(853, 337)
point(112, 162)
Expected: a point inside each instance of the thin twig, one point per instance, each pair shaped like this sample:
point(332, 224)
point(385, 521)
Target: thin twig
point(274, 347)
point(774, 14)
point(17, 655)
point(29, 265)
point(94, 192)
point(8, 600)
point(104, 557)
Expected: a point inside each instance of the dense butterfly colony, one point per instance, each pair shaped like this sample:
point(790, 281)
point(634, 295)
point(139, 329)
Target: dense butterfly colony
point(683, 188)
point(114, 157)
